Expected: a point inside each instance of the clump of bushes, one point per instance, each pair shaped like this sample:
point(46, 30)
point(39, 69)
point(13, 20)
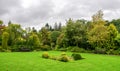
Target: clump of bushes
point(45, 55)
point(113, 52)
point(63, 57)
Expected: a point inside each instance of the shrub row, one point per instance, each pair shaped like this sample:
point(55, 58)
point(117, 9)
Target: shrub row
point(63, 57)
point(97, 50)
point(75, 49)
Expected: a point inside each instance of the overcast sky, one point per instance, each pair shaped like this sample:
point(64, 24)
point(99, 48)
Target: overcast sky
point(36, 13)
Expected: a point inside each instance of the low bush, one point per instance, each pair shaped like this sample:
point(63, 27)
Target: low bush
point(63, 57)
point(45, 47)
point(21, 48)
point(100, 50)
point(45, 55)
point(116, 52)
point(113, 52)
point(76, 56)
point(77, 49)
point(6, 50)
point(62, 49)
point(69, 48)
point(36, 50)
point(53, 57)
point(15, 48)
point(24, 49)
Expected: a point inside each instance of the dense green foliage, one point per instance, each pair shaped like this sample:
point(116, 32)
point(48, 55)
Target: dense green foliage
point(1, 22)
point(97, 35)
point(5, 37)
point(32, 61)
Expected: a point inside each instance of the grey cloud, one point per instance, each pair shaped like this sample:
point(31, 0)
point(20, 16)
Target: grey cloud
point(6, 5)
point(84, 8)
point(34, 15)
point(41, 12)
point(95, 4)
point(45, 10)
point(74, 11)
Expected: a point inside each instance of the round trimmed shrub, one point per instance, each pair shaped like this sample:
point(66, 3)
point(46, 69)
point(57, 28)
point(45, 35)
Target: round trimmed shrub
point(45, 55)
point(76, 56)
point(64, 57)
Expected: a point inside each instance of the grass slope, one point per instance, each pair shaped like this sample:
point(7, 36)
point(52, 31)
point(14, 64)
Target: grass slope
point(32, 61)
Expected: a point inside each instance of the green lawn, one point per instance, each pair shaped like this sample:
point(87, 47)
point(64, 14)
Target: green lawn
point(32, 61)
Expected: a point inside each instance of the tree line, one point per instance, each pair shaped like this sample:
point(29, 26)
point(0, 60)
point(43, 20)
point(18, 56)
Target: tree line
point(97, 35)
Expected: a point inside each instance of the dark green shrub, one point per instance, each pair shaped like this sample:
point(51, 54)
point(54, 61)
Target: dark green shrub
point(7, 50)
point(109, 51)
point(75, 49)
point(45, 47)
point(0, 49)
point(15, 48)
point(45, 55)
point(21, 48)
point(113, 52)
point(76, 56)
point(100, 50)
point(37, 50)
point(69, 48)
point(116, 52)
point(4, 50)
point(63, 49)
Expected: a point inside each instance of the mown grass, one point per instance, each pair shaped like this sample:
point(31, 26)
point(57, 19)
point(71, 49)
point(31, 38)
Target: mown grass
point(32, 61)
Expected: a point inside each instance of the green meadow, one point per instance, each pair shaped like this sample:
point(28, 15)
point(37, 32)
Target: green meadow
point(32, 61)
